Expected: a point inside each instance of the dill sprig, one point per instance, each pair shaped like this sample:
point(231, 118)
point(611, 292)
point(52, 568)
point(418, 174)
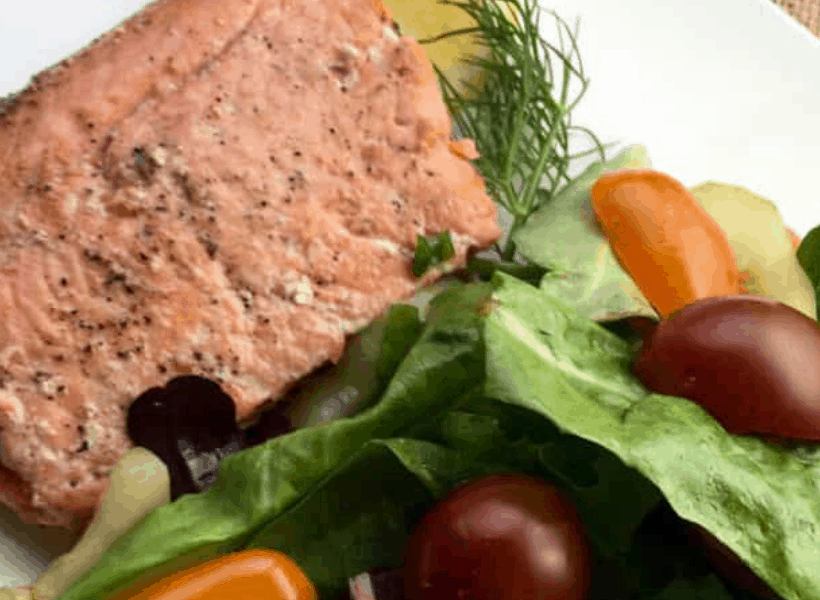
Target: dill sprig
point(520, 114)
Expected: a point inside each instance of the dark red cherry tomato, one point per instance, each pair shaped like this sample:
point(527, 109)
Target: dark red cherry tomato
point(502, 537)
point(751, 362)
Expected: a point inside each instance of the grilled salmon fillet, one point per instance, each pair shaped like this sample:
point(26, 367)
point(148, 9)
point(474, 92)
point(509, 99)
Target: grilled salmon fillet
point(226, 188)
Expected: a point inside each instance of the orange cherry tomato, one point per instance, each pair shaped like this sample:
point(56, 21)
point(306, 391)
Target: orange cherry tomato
point(249, 575)
point(671, 247)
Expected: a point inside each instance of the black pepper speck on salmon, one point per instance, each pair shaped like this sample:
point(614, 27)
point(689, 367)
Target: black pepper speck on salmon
point(221, 188)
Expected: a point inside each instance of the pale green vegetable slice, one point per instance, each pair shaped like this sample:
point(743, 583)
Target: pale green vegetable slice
point(139, 484)
point(761, 243)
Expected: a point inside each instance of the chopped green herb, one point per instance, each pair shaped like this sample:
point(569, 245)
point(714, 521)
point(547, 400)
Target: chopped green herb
point(430, 253)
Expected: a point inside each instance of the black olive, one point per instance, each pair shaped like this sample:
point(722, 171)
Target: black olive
point(191, 425)
point(206, 414)
point(149, 421)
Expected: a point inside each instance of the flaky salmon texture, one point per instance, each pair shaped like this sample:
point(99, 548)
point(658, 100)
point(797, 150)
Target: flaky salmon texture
point(224, 188)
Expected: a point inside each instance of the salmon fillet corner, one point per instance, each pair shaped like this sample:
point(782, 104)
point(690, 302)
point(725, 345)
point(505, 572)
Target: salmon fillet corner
point(219, 187)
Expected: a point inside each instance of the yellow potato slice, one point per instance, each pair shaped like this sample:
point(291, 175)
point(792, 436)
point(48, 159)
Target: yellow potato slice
point(427, 19)
point(762, 244)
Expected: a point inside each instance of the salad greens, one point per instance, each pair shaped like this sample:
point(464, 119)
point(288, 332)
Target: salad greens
point(708, 476)
point(504, 377)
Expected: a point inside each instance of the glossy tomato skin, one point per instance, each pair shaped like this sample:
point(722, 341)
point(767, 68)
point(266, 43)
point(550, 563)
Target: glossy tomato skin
point(502, 537)
point(752, 362)
point(246, 575)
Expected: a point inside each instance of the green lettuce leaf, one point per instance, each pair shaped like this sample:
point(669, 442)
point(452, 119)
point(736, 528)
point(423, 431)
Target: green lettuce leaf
point(563, 237)
point(362, 374)
point(759, 499)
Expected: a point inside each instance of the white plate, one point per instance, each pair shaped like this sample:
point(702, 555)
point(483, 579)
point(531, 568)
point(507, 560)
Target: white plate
point(727, 90)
